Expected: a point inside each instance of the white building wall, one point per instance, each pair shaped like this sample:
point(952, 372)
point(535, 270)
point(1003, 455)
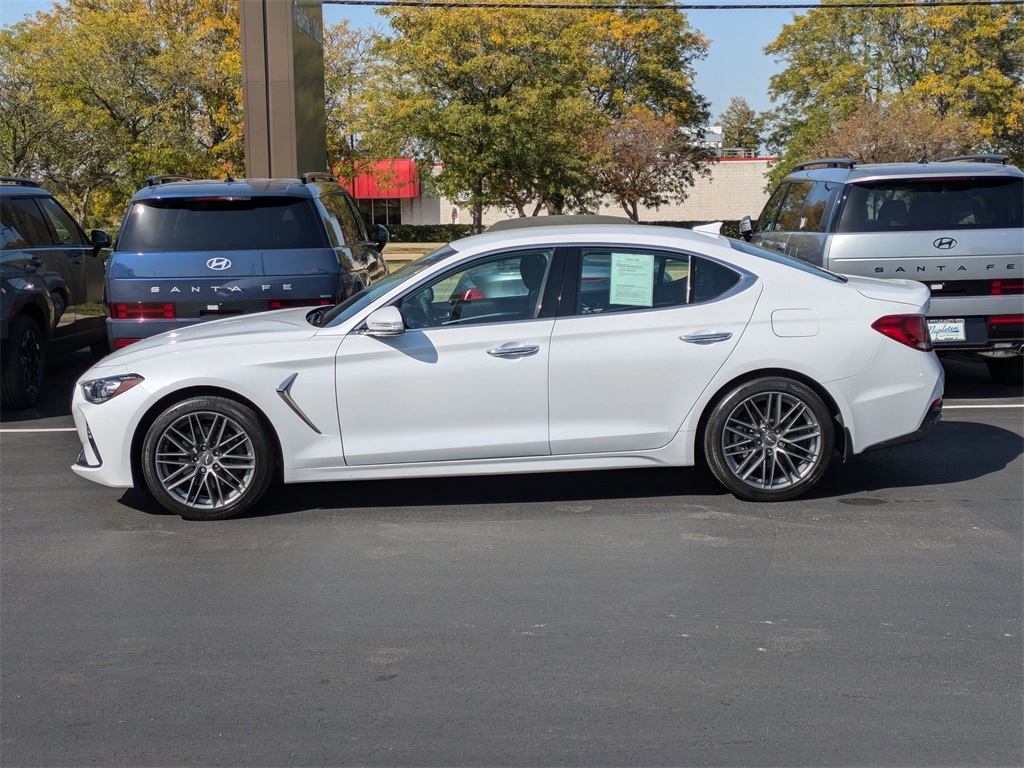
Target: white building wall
point(734, 189)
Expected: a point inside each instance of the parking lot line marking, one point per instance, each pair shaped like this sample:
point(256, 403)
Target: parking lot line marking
point(979, 407)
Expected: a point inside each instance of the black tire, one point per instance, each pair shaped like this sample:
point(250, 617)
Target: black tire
point(207, 458)
point(1006, 370)
point(24, 363)
point(770, 439)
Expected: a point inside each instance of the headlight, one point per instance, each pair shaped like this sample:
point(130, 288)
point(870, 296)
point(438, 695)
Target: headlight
point(101, 390)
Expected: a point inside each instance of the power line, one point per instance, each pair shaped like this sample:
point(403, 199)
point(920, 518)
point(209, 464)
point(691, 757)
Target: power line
point(446, 4)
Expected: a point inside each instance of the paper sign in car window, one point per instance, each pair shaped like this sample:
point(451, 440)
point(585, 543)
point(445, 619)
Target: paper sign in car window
point(632, 279)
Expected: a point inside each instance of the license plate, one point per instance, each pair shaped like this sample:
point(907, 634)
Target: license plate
point(947, 330)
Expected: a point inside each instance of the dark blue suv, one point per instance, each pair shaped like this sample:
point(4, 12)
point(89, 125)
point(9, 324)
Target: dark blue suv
point(51, 288)
point(191, 251)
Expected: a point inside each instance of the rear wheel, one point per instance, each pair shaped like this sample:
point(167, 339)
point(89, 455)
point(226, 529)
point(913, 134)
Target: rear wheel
point(770, 439)
point(24, 363)
point(207, 458)
point(1006, 370)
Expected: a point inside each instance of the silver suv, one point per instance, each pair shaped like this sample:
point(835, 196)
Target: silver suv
point(956, 225)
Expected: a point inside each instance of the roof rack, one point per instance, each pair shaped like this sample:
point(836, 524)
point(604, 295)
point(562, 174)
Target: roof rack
point(998, 159)
point(831, 162)
point(312, 176)
point(153, 181)
point(18, 181)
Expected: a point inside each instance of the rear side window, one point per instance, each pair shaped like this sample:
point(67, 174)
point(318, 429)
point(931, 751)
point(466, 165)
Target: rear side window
point(789, 214)
point(23, 224)
point(914, 205)
point(221, 224)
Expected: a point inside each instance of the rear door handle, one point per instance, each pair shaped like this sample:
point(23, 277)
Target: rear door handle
point(514, 352)
point(706, 338)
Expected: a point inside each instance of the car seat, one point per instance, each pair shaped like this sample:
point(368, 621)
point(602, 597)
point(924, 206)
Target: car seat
point(532, 268)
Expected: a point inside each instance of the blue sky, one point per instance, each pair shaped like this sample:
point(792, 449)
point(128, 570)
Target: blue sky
point(736, 64)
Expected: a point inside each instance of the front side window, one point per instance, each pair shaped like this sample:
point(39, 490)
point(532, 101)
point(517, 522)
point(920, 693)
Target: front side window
point(766, 221)
point(67, 231)
point(221, 224)
point(23, 224)
point(501, 288)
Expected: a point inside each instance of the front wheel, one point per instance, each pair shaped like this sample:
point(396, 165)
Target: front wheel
point(207, 458)
point(770, 439)
point(24, 363)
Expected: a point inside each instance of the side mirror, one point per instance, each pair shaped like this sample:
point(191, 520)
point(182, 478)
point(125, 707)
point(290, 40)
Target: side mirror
point(746, 228)
point(386, 321)
point(99, 240)
point(383, 236)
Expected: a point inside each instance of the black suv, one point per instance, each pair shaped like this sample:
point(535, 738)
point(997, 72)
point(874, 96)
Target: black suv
point(192, 251)
point(51, 288)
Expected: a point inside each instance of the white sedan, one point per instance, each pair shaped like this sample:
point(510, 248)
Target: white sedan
point(623, 346)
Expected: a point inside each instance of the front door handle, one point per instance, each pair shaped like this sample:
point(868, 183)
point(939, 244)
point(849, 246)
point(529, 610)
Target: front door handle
point(514, 352)
point(706, 338)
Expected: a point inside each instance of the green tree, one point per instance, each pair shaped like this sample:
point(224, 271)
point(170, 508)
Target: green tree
point(127, 88)
point(510, 99)
point(963, 62)
point(348, 68)
point(742, 127)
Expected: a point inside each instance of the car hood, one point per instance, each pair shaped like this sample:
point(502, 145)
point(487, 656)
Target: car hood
point(228, 333)
point(908, 292)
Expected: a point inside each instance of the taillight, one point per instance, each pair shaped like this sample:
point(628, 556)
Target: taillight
point(911, 330)
point(142, 310)
point(288, 303)
point(122, 343)
point(1007, 287)
point(1006, 319)
point(473, 294)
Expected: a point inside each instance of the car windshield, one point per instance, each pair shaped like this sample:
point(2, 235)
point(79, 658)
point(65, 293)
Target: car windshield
point(339, 313)
point(778, 258)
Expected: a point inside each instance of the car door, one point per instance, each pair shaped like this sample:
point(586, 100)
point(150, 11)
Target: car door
point(85, 269)
point(38, 254)
point(467, 379)
point(639, 335)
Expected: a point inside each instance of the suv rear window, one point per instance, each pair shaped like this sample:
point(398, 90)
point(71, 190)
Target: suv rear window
point(914, 205)
point(221, 224)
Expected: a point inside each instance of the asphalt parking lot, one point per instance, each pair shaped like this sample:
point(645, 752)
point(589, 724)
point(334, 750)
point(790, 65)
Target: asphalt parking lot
point(616, 618)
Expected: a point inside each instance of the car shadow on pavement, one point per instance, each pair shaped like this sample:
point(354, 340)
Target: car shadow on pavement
point(948, 456)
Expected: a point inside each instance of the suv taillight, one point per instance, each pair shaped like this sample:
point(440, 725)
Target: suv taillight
point(911, 330)
point(1007, 287)
point(142, 310)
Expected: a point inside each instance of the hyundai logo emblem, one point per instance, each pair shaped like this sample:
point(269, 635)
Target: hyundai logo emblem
point(221, 263)
point(945, 243)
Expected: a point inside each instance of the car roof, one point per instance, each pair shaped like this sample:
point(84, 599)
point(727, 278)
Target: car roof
point(526, 222)
point(621, 234)
point(880, 171)
point(230, 187)
point(10, 185)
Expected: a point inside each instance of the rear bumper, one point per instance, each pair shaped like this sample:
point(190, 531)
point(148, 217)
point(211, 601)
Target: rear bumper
point(927, 425)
